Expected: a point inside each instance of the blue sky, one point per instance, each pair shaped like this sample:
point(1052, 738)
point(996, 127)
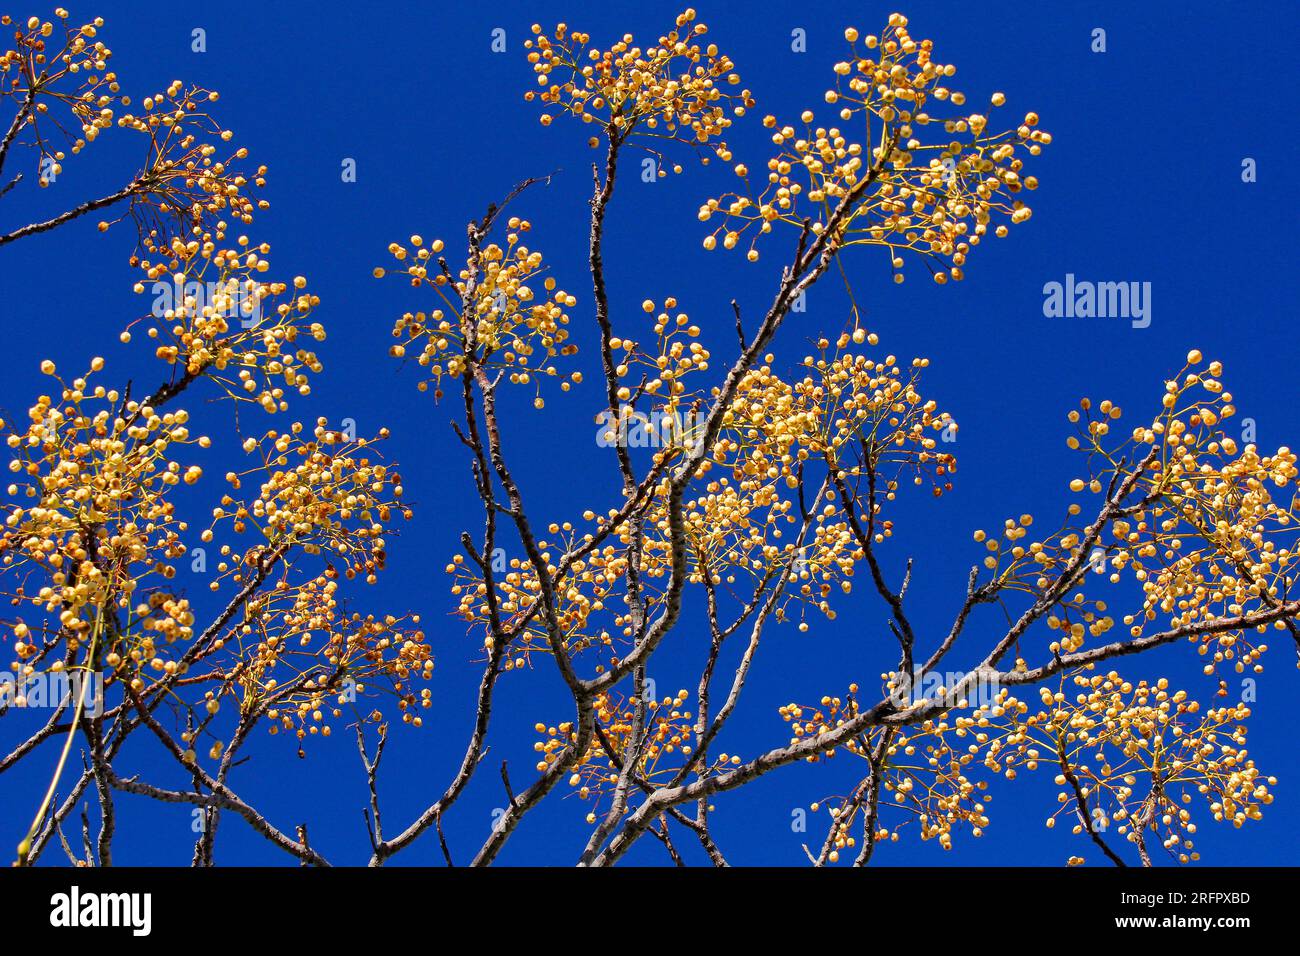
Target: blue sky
point(1142, 183)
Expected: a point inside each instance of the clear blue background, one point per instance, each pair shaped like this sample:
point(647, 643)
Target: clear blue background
point(1142, 183)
